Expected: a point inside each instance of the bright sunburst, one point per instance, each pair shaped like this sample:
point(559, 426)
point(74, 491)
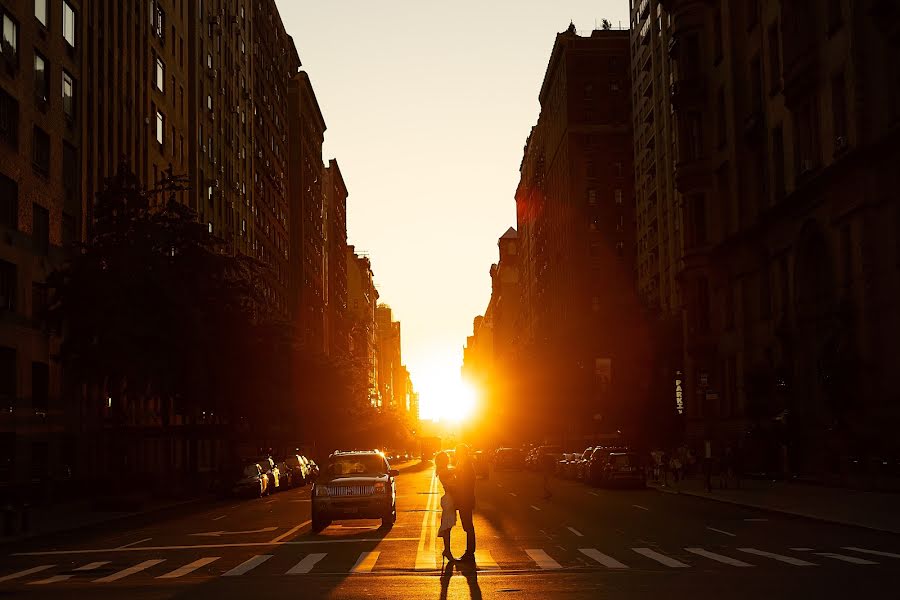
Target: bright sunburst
point(444, 396)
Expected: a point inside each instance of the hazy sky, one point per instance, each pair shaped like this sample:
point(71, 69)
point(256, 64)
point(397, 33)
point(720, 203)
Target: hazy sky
point(428, 104)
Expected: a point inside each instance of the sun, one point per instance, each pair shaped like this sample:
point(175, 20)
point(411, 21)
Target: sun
point(445, 396)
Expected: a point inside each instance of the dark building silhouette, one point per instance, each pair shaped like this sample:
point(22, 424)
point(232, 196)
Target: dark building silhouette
point(576, 232)
point(337, 322)
point(362, 301)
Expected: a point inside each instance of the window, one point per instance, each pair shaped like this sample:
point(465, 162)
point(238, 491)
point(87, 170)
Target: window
point(778, 160)
point(765, 293)
point(41, 78)
point(8, 387)
point(40, 151)
point(9, 119)
point(592, 196)
point(9, 37)
point(9, 202)
point(40, 11)
point(807, 135)
point(68, 96)
point(618, 196)
point(7, 286)
point(756, 84)
point(160, 127)
point(752, 13)
point(68, 23)
point(702, 321)
point(160, 79)
point(40, 386)
point(835, 15)
point(722, 126)
point(774, 59)
point(698, 216)
point(718, 45)
point(69, 229)
point(40, 229)
point(839, 110)
point(209, 103)
point(158, 16)
point(620, 249)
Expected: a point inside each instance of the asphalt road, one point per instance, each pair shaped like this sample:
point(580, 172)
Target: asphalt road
point(583, 543)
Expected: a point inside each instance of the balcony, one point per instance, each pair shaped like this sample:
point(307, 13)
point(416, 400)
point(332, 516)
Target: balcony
point(644, 9)
point(646, 30)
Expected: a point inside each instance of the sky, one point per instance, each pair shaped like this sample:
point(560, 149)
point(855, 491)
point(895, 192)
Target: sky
point(428, 104)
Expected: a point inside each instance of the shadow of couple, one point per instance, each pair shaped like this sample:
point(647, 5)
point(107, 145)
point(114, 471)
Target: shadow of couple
point(467, 570)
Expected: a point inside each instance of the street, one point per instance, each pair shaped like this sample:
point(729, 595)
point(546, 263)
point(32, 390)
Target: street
point(583, 543)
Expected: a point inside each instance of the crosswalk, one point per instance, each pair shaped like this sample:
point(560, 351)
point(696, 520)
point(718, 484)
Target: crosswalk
point(372, 561)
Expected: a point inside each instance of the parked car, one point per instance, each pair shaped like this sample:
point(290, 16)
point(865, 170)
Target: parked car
point(250, 480)
point(482, 465)
point(355, 485)
point(581, 467)
point(313, 470)
point(619, 468)
point(296, 469)
point(268, 466)
point(509, 458)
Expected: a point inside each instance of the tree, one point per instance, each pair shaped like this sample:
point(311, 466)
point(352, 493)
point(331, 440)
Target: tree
point(605, 25)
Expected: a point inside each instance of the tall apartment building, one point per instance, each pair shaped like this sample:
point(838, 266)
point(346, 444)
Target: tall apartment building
point(362, 300)
point(307, 226)
point(42, 50)
point(391, 386)
point(337, 340)
point(787, 131)
point(576, 233)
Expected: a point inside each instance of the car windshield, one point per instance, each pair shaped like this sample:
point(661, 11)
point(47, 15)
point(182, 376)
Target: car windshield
point(356, 465)
point(621, 460)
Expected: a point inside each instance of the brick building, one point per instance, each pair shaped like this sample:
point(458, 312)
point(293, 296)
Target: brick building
point(337, 333)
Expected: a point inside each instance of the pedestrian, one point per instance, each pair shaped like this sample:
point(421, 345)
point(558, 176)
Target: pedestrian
point(464, 498)
point(707, 464)
point(448, 507)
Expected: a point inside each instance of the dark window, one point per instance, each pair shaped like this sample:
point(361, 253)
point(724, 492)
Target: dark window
point(846, 254)
point(774, 58)
point(41, 78)
point(698, 214)
point(9, 37)
point(7, 450)
point(40, 463)
point(68, 96)
point(40, 151)
point(722, 127)
point(729, 306)
point(694, 136)
point(9, 202)
point(756, 84)
point(69, 229)
point(40, 386)
point(9, 119)
point(39, 296)
point(839, 109)
point(765, 293)
point(778, 161)
point(835, 15)
point(718, 45)
point(806, 127)
point(702, 305)
point(7, 286)
point(70, 176)
point(40, 229)
point(752, 13)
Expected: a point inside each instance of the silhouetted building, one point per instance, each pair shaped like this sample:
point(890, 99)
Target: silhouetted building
point(575, 213)
point(787, 145)
point(337, 328)
point(42, 99)
point(362, 300)
point(391, 386)
point(308, 283)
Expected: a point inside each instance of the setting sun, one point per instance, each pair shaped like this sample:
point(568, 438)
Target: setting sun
point(445, 396)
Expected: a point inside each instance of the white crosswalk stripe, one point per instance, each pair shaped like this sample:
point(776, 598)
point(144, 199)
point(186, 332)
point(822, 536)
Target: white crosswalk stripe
point(718, 557)
point(779, 557)
point(189, 568)
point(603, 559)
point(849, 559)
point(542, 559)
point(872, 552)
point(130, 571)
point(25, 573)
point(248, 565)
point(661, 558)
point(365, 563)
point(57, 578)
point(484, 560)
point(306, 565)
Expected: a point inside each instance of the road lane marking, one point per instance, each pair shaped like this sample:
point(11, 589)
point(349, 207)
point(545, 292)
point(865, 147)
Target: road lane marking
point(641, 507)
point(718, 557)
point(872, 552)
point(248, 565)
point(290, 532)
point(365, 563)
point(513, 494)
point(661, 558)
point(535, 507)
point(849, 559)
point(603, 559)
point(214, 546)
point(542, 559)
point(306, 565)
point(779, 557)
point(219, 518)
point(575, 531)
point(425, 559)
point(189, 568)
point(593, 493)
point(25, 573)
point(484, 560)
point(130, 571)
point(57, 578)
point(722, 531)
point(134, 543)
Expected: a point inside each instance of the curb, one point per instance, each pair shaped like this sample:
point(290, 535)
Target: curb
point(101, 521)
point(783, 511)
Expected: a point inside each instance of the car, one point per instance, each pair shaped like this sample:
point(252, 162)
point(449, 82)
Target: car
point(250, 480)
point(619, 468)
point(482, 465)
point(313, 470)
point(509, 458)
point(268, 466)
point(296, 469)
point(285, 474)
point(583, 462)
point(355, 485)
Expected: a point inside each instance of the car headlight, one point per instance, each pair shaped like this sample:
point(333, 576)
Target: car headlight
point(380, 487)
point(321, 490)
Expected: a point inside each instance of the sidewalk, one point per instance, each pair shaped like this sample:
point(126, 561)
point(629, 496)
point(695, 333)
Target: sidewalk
point(871, 510)
point(63, 517)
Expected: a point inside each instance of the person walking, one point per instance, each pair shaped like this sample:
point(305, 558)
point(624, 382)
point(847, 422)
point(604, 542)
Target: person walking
point(448, 508)
point(464, 498)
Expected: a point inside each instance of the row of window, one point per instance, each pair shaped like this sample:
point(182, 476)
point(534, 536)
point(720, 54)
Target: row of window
point(9, 26)
point(40, 381)
point(42, 85)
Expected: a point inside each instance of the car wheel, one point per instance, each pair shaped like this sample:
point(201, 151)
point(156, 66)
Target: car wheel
point(389, 520)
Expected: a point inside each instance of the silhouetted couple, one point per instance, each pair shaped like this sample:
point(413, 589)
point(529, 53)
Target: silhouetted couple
point(459, 496)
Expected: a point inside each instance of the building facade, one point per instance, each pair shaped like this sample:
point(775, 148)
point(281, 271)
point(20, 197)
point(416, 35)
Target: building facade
point(786, 121)
point(337, 332)
point(362, 300)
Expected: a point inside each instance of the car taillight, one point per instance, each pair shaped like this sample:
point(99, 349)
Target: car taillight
point(321, 490)
point(380, 487)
